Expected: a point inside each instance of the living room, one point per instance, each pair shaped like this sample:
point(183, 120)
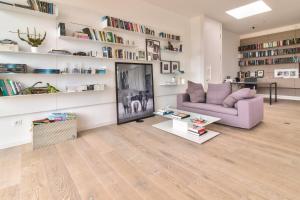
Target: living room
point(146, 99)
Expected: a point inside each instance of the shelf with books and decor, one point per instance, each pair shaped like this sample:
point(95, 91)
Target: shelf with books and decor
point(269, 61)
point(118, 25)
point(270, 45)
point(72, 38)
point(34, 8)
point(270, 53)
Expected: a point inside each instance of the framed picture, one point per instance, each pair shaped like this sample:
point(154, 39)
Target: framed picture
point(165, 67)
point(134, 91)
point(141, 55)
point(260, 73)
point(152, 49)
point(247, 74)
point(175, 66)
point(241, 75)
point(286, 73)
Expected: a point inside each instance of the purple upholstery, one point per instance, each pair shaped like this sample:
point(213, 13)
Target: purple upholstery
point(216, 93)
point(196, 92)
point(249, 112)
point(245, 93)
point(211, 107)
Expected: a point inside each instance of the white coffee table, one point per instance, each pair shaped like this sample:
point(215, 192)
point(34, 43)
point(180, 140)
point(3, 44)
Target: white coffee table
point(179, 127)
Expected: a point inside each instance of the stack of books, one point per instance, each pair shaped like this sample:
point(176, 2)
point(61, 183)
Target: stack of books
point(198, 130)
point(129, 26)
point(10, 88)
point(109, 52)
point(179, 115)
point(55, 117)
point(164, 112)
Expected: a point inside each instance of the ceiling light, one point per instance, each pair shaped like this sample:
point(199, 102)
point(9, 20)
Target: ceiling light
point(248, 10)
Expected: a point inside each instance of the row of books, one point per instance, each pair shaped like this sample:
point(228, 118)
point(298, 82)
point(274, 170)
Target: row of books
point(41, 6)
point(92, 34)
point(169, 36)
point(126, 25)
point(269, 61)
point(277, 52)
point(267, 45)
point(109, 52)
point(10, 88)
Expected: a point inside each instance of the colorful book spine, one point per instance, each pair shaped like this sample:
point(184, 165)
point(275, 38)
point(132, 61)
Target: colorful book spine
point(3, 88)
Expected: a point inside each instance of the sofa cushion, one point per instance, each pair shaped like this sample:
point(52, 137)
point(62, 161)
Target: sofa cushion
point(196, 92)
point(232, 99)
point(216, 93)
point(211, 107)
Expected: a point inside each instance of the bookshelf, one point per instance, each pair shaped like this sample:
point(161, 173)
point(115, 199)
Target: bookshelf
point(70, 38)
point(35, 13)
point(58, 93)
point(105, 27)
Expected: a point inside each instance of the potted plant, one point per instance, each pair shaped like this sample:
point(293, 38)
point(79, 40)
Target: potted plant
point(34, 40)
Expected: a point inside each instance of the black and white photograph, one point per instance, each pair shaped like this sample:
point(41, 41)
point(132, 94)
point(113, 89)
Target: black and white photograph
point(175, 67)
point(260, 73)
point(165, 67)
point(134, 91)
point(141, 55)
point(152, 49)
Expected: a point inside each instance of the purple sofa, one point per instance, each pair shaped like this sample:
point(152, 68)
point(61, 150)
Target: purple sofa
point(246, 114)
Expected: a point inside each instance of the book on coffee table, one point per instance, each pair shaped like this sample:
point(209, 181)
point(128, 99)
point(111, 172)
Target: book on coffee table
point(179, 115)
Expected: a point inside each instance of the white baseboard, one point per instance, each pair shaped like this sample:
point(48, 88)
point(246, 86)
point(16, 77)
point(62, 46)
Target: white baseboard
point(14, 144)
point(293, 98)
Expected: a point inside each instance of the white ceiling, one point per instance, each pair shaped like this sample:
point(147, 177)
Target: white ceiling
point(284, 12)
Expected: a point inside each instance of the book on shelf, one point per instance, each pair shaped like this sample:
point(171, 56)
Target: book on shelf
point(179, 115)
point(10, 88)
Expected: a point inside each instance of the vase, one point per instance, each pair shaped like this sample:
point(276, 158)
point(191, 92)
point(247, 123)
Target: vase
point(34, 49)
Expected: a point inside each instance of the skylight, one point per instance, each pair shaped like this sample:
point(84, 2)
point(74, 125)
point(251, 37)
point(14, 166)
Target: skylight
point(248, 10)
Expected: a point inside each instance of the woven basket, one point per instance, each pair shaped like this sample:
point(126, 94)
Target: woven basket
point(53, 133)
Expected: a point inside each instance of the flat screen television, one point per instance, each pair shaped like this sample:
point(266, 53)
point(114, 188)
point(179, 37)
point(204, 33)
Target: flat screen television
point(134, 91)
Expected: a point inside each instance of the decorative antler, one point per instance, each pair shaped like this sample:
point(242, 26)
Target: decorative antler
point(32, 41)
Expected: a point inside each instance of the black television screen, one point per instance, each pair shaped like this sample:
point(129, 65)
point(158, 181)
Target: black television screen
point(134, 91)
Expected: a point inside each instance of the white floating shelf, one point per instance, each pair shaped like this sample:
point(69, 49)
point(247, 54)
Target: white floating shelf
point(58, 93)
point(13, 8)
point(109, 28)
point(70, 38)
point(73, 56)
point(169, 51)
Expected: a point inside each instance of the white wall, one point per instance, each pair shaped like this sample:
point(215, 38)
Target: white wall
point(94, 109)
point(206, 47)
point(231, 42)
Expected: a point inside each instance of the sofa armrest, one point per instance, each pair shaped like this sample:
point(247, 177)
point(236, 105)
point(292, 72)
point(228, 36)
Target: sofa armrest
point(182, 98)
point(251, 111)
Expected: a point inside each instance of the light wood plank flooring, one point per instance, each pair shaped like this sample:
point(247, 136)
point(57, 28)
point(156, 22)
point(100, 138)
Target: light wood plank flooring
point(137, 161)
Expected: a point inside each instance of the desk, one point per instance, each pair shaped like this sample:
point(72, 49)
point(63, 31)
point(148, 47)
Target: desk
point(270, 85)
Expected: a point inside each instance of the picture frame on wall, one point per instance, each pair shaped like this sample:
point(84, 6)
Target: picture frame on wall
point(260, 74)
point(141, 55)
point(175, 66)
point(286, 73)
point(153, 50)
point(165, 67)
point(247, 74)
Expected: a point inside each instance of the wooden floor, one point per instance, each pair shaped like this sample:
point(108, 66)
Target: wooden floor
point(137, 161)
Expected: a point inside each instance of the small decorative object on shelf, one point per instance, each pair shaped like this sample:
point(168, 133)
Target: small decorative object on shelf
point(34, 41)
point(152, 49)
point(116, 23)
point(13, 68)
point(169, 36)
point(9, 45)
point(39, 90)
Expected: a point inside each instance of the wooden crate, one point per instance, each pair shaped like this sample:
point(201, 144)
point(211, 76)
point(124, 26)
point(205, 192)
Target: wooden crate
point(53, 133)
